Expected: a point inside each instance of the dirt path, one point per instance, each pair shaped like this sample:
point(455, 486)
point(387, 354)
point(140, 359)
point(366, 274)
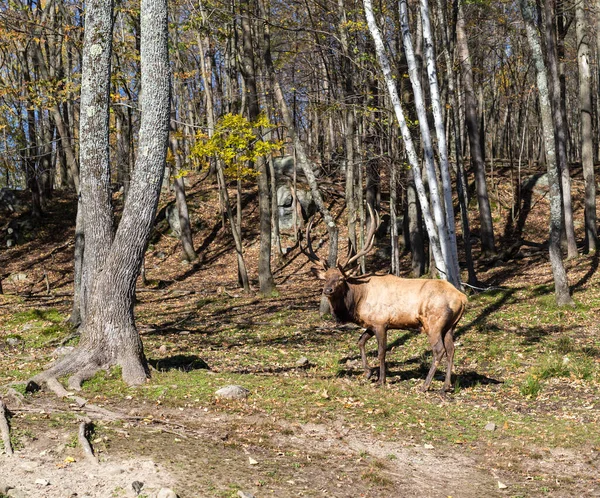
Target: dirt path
point(209, 453)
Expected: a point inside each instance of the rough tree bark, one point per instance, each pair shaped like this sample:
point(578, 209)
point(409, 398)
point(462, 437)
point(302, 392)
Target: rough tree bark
point(561, 286)
point(587, 143)
point(266, 282)
point(560, 131)
point(108, 332)
point(488, 246)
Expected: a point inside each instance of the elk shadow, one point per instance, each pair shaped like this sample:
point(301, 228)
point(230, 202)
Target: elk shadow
point(470, 379)
point(181, 362)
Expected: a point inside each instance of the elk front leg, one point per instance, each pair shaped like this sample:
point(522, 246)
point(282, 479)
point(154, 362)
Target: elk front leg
point(381, 334)
point(366, 335)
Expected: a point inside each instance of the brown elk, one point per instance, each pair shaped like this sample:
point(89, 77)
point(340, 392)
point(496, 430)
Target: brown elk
point(382, 302)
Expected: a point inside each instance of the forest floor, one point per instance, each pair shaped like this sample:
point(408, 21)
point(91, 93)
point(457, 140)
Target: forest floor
point(522, 420)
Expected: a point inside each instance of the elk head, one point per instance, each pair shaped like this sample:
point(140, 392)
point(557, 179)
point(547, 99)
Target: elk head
point(335, 278)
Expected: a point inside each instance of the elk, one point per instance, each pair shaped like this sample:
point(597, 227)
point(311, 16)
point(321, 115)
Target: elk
point(382, 302)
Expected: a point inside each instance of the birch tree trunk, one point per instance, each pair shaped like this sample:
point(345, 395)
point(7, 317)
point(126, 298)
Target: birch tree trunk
point(440, 130)
point(561, 285)
point(408, 143)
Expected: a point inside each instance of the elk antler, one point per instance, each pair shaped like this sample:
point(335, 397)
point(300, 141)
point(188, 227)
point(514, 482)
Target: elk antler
point(311, 253)
point(370, 237)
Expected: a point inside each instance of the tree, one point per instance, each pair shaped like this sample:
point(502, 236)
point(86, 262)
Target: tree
point(488, 245)
point(108, 332)
point(561, 286)
point(587, 143)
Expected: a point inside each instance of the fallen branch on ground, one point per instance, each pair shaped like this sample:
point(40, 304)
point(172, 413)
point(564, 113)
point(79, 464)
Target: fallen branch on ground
point(85, 444)
point(5, 429)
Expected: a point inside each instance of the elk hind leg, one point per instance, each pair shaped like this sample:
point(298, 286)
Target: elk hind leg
point(438, 351)
point(366, 335)
point(449, 349)
point(381, 334)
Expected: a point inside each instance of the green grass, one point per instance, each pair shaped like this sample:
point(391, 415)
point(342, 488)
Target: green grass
point(512, 350)
point(37, 327)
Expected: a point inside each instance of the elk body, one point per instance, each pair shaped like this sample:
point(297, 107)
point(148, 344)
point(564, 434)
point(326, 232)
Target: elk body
point(383, 302)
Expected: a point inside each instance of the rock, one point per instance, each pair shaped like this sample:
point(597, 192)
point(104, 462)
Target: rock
point(16, 493)
point(245, 494)
point(4, 488)
point(17, 277)
point(172, 216)
point(233, 392)
point(285, 206)
point(137, 486)
point(13, 341)
point(490, 426)
point(42, 482)
point(184, 332)
point(162, 349)
point(302, 362)
point(501, 485)
point(166, 493)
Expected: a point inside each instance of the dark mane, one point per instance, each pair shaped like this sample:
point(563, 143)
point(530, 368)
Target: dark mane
point(343, 307)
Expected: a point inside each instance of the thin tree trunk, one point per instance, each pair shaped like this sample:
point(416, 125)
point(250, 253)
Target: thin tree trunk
point(305, 165)
point(561, 285)
point(187, 241)
point(460, 174)
point(266, 282)
point(587, 144)
point(488, 245)
point(436, 104)
point(559, 129)
point(444, 232)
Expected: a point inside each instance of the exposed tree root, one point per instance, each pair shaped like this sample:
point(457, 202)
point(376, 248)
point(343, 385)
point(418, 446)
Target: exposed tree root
point(5, 429)
point(84, 427)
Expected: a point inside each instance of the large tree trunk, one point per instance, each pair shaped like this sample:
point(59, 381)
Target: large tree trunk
point(561, 285)
point(108, 332)
point(488, 246)
point(587, 144)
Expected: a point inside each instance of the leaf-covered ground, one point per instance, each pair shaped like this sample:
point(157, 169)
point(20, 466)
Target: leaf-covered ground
point(522, 421)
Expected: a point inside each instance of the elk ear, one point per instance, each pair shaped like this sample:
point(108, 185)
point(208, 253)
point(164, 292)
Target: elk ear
point(318, 272)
